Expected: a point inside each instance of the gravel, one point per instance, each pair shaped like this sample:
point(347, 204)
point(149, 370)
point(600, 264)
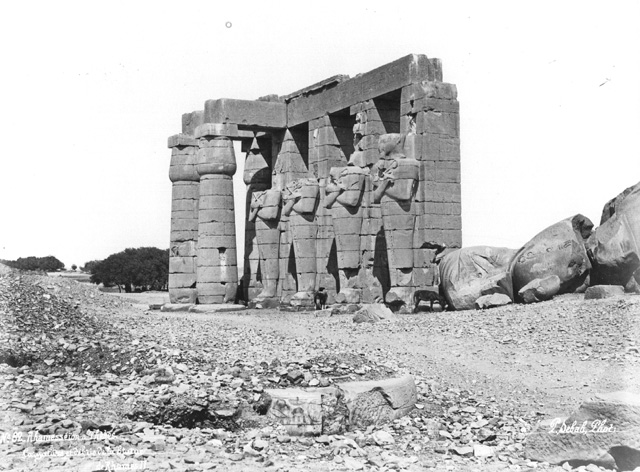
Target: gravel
point(90, 381)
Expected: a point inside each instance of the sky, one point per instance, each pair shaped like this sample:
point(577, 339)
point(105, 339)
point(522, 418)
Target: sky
point(549, 104)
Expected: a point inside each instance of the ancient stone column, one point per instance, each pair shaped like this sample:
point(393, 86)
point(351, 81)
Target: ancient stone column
point(396, 178)
point(184, 219)
point(217, 256)
point(344, 190)
point(301, 197)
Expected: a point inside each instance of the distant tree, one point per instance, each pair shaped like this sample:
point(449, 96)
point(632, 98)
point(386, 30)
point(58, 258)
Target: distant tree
point(74, 267)
point(47, 264)
point(88, 266)
point(144, 268)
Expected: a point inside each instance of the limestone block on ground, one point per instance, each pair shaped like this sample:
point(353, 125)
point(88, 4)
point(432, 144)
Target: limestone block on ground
point(602, 430)
point(539, 290)
point(373, 312)
point(177, 306)
point(614, 246)
point(603, 291)
point(557, 250)
point(492, 301)
point(469, 273)
point(334, 410)
point(218, 308)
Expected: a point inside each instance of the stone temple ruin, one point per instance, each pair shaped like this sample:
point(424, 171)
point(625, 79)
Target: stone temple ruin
point(353, 185)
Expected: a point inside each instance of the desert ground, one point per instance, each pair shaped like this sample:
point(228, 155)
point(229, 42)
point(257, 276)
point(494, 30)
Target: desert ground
point(87, 369)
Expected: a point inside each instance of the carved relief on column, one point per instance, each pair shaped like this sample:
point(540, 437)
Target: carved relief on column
point(395, 179)
point(184, 219)
point(217, 255)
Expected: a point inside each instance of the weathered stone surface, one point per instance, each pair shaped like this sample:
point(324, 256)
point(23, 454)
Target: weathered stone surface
point(614, 246)
point(492, 301)
point(469, 273)
point(557, 250)
point(334, 410)
point(370, 313)
point(603, 291)
point(393, 76)
point(605, 428)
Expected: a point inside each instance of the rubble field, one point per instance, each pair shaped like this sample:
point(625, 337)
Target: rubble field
point(91, 381)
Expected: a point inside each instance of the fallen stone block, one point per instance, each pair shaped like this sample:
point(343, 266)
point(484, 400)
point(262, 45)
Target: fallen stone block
point(492, 301)
point(603, 291)
point(334, 410)
point(373, 312)
point(216, 308)
point(604, 431)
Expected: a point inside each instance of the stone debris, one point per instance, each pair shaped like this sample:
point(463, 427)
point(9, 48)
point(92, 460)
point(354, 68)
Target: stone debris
point(192, 393)
point(603, 291)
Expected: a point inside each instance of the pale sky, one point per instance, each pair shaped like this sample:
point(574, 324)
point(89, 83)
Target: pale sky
point(549, 97)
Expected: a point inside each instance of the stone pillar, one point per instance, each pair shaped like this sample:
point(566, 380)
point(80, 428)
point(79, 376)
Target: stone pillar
point(265, 211)
point(217, 256)
point(301, 198)
point(184, 219)
point(257, 177)
point(344, 191)
point(396, 177)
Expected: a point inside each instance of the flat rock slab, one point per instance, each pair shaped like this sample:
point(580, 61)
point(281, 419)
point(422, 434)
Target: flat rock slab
point(176, 306)
point(218, 308)
point(334, 410)
point(492, 301)
point(603, 431)
point(603, 291)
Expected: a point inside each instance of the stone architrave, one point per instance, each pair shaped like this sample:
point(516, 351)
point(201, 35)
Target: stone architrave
point(396, 178)
point(344, 191)
point(265, 212)
point(217, 254)
point(184, 219)
point(557, 250)
point(301, 198)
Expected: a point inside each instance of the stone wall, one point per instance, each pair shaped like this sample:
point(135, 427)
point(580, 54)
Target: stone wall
point(326, 169)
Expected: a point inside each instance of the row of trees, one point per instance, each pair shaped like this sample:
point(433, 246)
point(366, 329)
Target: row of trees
point(46, 264)
point(144, 268)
